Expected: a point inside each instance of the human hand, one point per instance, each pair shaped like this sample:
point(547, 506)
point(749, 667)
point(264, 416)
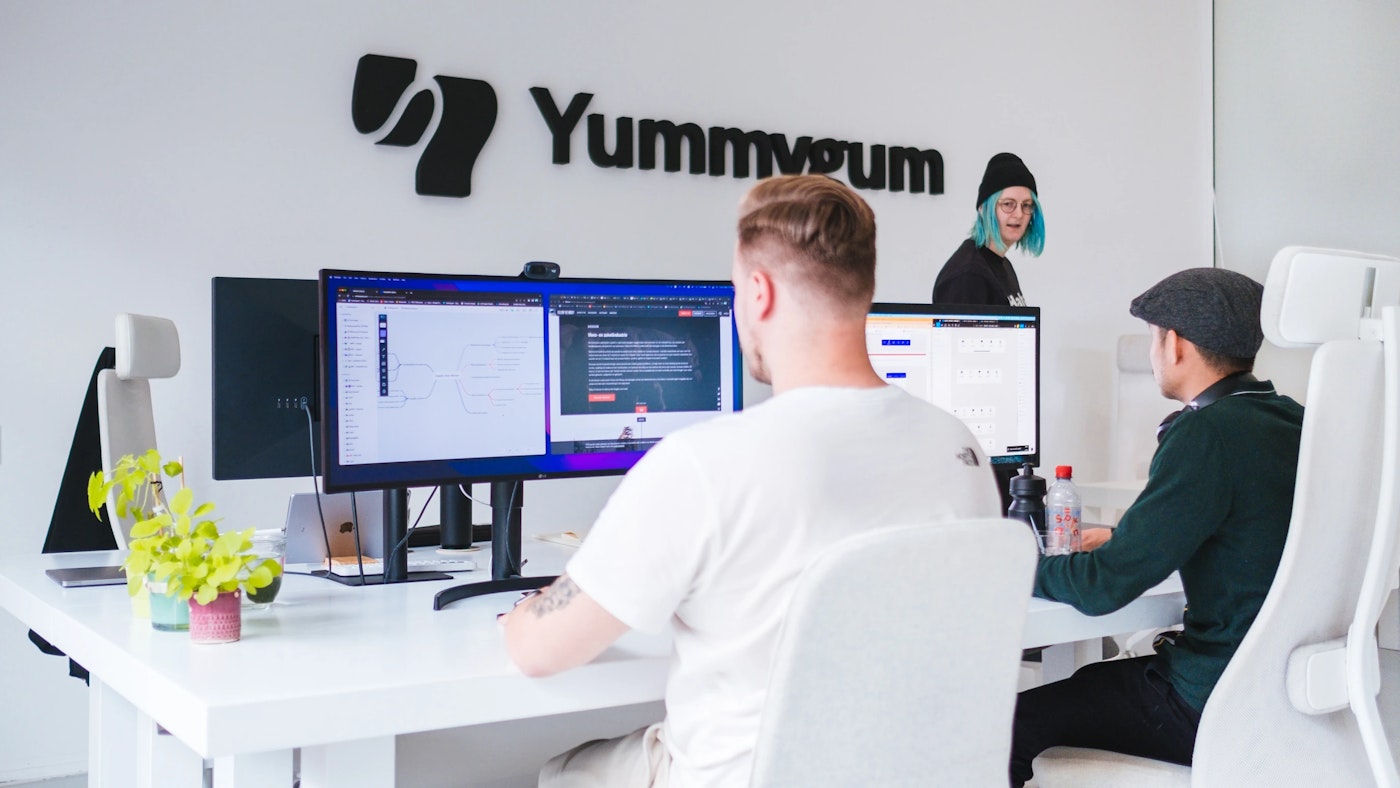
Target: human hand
point(1090, 538)
point(502, 617)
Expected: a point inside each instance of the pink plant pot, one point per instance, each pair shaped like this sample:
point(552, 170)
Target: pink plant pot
point(220, 621)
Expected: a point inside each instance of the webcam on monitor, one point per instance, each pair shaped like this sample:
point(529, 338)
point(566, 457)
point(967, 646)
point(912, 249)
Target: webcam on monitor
point(540, 269)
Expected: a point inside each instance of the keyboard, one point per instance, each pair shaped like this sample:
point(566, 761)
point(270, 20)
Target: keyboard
point(425, 561)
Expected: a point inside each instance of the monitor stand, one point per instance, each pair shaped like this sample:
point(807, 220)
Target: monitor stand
point(455, 516)
point(395, 549)
point(506, 500)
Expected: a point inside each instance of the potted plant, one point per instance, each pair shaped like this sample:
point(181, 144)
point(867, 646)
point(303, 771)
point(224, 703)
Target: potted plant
point(178, 552)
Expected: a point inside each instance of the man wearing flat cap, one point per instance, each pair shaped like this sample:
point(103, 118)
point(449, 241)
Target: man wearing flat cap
point(1216, 508)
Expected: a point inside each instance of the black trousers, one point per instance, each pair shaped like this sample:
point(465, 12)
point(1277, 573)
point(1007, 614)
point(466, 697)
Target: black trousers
point(1125, 705)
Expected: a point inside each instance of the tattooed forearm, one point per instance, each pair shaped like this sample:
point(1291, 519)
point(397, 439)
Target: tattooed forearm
point(555, 597)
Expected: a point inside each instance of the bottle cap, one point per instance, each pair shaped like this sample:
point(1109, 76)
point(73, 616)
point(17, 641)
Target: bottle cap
point(1027, 484)
point(1064, 471)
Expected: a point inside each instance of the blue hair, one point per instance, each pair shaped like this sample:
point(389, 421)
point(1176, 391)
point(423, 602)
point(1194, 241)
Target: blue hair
point(986, 231)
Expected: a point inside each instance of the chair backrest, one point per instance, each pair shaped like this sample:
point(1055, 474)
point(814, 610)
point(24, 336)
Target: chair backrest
point(72, 528)
point(1138, 407)
point(1257, 728)
point(147, 347)
point(898, 660)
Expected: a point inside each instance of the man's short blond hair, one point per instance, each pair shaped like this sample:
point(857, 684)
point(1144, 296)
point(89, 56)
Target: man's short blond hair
point(815, 232)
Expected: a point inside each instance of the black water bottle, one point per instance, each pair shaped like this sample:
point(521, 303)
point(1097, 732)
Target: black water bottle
point(1028, 502)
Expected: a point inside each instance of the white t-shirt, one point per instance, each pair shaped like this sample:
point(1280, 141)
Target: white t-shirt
point(711, 528)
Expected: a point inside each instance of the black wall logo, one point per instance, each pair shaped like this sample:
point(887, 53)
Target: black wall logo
point(468, 114)
point(715, 149)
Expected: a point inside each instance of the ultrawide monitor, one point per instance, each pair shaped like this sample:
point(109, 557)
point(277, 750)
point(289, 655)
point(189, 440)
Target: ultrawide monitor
point(432, 379)
point(982, 364)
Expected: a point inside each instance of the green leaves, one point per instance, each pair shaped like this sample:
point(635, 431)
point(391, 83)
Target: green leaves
point(206, 594)
point(174, 539)
point(146, 528)
point(97, 491)
point(263, 575)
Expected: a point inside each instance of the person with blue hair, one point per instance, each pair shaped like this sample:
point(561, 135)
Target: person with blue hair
point(1008, 216)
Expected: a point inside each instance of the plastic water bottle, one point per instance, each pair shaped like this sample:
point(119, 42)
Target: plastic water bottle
point(1063, 510)
point(1028, 503)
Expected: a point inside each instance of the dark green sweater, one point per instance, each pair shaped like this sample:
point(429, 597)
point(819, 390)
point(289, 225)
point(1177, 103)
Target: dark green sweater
point(1216, 507)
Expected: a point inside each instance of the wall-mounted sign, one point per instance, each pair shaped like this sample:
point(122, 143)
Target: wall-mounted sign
point(712, 150)
point(468, 115)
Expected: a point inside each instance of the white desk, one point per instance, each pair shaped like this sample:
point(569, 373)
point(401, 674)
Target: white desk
point(339, 671)
point(1073, 639)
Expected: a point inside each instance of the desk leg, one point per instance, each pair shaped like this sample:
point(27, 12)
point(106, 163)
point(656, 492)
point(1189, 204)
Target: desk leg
point(1060, 661)
point(127, 750)
point(163, 761)
point(112, 722)
point(367, 763)
point(255, 770)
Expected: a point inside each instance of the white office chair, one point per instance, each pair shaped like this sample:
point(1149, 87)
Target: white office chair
point(1138, 407)
point(147, 348)
point(898, 658)
point(1297, 703)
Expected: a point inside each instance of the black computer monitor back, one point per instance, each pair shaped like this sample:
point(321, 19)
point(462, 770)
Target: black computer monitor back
point(264, 378)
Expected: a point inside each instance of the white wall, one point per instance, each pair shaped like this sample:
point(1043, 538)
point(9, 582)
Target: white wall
point(149, 146)
point(1307, 114)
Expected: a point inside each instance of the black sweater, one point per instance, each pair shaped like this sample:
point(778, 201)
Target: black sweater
point(977, 275)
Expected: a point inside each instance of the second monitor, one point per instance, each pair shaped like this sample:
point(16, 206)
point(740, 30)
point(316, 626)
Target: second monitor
point(980, 363)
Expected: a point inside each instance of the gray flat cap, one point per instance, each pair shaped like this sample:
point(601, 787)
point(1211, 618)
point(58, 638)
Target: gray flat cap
point(1215, 309)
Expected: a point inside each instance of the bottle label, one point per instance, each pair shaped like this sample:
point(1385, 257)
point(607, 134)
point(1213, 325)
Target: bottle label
point(1064, 531)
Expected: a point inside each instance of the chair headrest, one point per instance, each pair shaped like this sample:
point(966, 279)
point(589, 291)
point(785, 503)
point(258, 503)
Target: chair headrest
point(1133, 352)
point(147, 347)
point(1312, 296)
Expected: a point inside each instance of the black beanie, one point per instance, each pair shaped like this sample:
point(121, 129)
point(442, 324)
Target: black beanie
point(1004, 170)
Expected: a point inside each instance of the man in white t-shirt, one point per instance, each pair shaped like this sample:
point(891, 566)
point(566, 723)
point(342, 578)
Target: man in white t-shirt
point(708, 533)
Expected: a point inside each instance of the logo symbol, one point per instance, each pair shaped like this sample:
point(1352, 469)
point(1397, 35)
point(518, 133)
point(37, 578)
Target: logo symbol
point(465, 109)
point(968, 456)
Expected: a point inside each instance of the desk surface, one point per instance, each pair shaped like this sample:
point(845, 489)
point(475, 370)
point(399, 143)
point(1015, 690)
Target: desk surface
point(331, 663)
point(325, 663)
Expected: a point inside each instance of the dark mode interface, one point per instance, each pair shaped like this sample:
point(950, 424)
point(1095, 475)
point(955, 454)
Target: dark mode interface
point(633, 368)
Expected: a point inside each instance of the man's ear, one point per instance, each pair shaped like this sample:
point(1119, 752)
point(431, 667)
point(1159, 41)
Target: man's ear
point(762, 293)
point(1173, 347)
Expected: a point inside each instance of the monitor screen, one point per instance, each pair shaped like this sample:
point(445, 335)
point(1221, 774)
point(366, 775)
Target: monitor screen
point(980, 363)
point(433, 378)
point(264, 353)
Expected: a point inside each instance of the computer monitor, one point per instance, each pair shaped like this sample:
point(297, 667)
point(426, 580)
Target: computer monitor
point(432, 379)
point(264, 343)
point(980, 363)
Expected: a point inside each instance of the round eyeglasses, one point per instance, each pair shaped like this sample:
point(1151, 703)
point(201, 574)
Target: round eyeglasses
point(1009, 207)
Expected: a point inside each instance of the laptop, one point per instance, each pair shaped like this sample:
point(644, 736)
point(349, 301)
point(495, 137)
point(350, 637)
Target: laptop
point(83, 576)
point(306, 544)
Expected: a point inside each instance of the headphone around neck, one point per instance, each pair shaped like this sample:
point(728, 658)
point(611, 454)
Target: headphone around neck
point(1228, 386)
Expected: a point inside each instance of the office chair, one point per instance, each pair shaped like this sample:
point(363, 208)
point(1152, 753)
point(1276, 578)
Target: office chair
point(1297, 705)
point(897, 660)
point(147, 348)
point(72, 528)
point(1138, 407)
